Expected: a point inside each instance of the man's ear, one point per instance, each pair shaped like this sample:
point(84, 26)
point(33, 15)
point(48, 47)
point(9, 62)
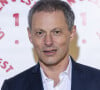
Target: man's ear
point(29, 34)
point(73, 32)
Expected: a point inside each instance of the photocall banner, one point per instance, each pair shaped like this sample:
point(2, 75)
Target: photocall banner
point(16, 51)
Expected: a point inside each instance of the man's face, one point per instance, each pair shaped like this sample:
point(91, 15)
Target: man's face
point(50, 37)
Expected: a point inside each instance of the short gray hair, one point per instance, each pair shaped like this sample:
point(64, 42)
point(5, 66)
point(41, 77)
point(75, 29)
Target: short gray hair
point(50, 6)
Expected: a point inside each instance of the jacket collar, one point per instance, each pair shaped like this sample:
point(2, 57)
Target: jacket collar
point(35, 79)
point(76, 77)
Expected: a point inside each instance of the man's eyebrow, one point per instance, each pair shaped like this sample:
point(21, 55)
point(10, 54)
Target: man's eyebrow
point(38, 29)
point(58, 28)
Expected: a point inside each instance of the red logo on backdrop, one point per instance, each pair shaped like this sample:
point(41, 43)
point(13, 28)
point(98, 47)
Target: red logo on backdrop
point(96, 2)
point(3, 2)
point(71, 1)
point(27, 3)
point(5, 65)
point(1, 34)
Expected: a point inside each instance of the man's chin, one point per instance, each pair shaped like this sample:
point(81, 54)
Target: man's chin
point(49, 62)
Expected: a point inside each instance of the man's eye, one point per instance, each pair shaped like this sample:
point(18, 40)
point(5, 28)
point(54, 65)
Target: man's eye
point(57, 32)
point(39, 33)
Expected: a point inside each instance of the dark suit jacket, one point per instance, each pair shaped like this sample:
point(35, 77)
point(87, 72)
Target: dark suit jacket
point(83, 78)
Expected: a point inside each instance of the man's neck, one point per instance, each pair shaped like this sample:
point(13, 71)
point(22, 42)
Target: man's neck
point(53, 71)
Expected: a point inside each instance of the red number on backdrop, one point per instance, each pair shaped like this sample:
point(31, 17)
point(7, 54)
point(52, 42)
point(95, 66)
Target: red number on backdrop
point(2, 34)
point(16, 16)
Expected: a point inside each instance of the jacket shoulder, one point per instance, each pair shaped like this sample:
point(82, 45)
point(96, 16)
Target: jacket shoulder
point(88, 70)
point(26, 73)
point(21, 79)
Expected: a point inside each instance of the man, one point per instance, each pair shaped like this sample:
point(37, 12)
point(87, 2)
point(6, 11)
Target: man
point(51, 28)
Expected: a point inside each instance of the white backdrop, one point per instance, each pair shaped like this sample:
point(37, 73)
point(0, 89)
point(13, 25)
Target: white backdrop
point(15, 49)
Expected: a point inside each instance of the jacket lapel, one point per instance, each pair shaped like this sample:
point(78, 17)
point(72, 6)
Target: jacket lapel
point(35, 79)
point(77, 77)
point(77, 74)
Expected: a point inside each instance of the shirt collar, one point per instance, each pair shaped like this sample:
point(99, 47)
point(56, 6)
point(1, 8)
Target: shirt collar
point(68, 69)
point(66, 72)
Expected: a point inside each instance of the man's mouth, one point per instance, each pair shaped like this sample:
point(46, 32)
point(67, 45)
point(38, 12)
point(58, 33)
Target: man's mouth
point(50, 52)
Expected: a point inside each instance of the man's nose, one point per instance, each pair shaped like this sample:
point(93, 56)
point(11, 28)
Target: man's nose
point(48, 40)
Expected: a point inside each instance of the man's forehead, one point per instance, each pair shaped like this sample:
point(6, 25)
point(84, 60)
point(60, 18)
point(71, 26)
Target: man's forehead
point(47, 12)
point(49, 20)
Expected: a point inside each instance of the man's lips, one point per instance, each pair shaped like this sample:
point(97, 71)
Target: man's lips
point(50, 52)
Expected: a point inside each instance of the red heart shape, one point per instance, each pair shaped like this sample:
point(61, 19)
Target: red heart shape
point(1, 34)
